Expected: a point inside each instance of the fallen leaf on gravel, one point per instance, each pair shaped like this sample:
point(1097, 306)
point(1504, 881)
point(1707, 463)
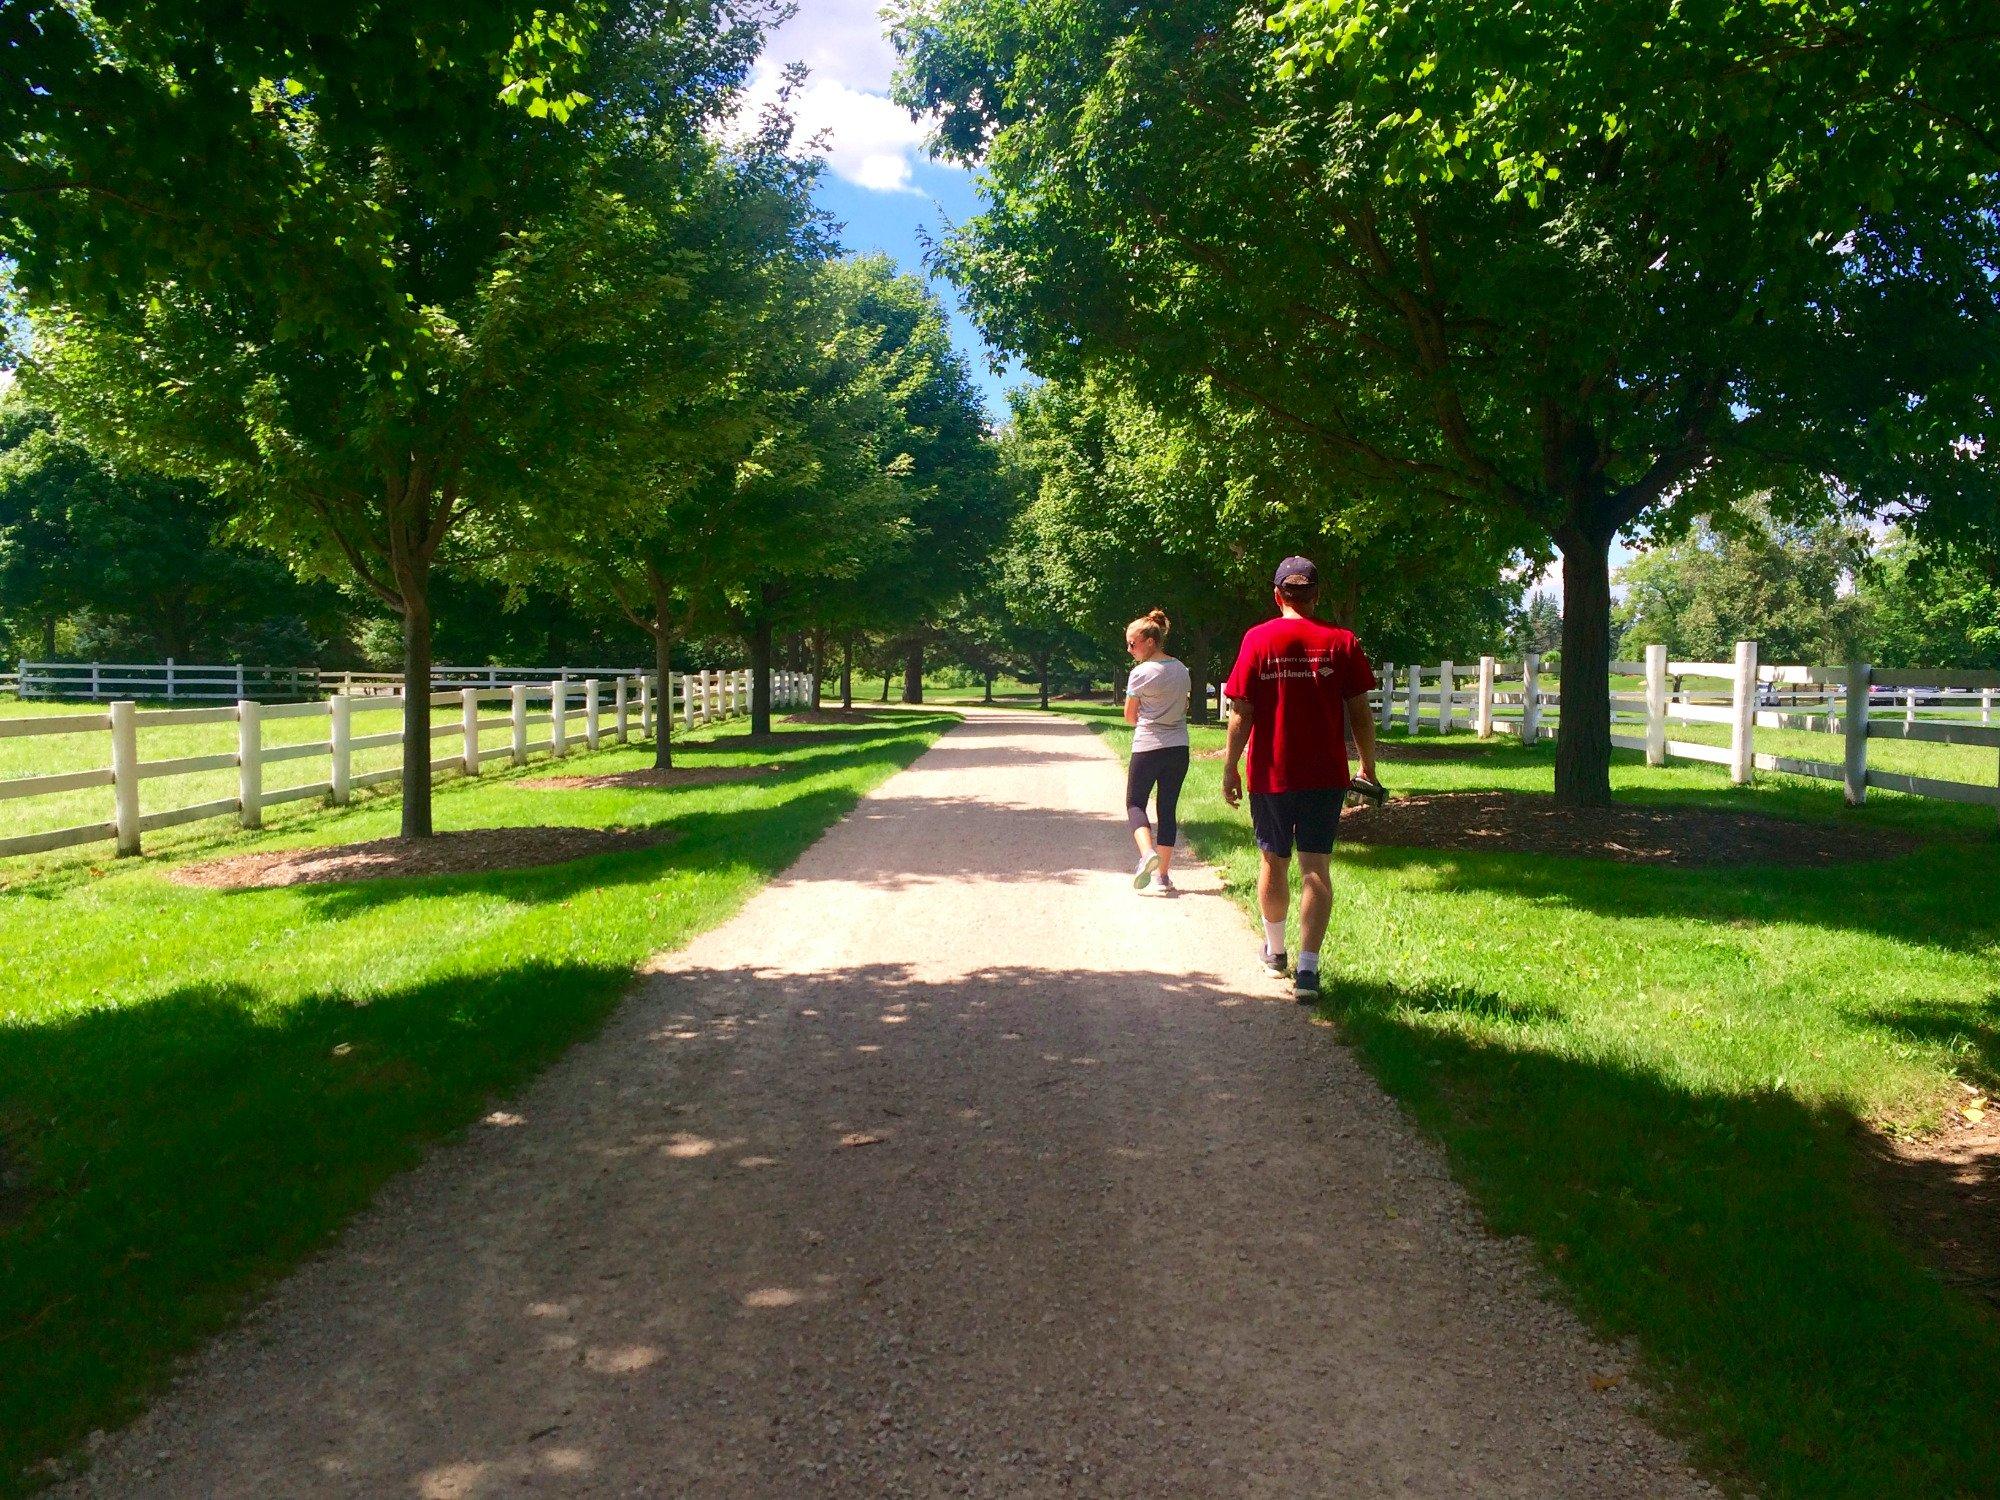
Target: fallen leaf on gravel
point(1606, 1382)
point(1974, 1112)
point(862, 1138)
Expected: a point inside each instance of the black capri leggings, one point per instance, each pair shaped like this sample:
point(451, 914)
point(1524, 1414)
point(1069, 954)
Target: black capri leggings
point(1166, 769)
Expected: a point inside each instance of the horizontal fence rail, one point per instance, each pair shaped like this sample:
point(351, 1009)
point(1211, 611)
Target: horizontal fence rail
point(171, 681)
point(577, 714)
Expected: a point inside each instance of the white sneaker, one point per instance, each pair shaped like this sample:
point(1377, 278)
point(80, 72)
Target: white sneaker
point(1143, 876)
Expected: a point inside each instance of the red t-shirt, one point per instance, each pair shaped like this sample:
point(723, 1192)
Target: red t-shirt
point(1297, 676)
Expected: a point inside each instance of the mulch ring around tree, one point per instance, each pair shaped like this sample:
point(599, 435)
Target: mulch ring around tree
point(834, 716)
point(649, 779)
point(1395, 750)
point(472, 851)
point(1628, 833)
point(1942, 1191)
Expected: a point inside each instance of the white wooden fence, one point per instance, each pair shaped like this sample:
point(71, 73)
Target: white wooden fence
point(571, 711)
point(1859, 703)
point(233, 682)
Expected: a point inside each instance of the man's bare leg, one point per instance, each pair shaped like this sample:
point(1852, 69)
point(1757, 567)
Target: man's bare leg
point(1274, 887)
point(1315, 899)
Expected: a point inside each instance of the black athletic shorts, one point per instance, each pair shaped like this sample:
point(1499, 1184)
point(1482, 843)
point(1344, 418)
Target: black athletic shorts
point(1304, 820)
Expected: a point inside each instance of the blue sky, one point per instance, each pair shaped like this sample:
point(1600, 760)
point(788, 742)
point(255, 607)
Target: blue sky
point(880, 184)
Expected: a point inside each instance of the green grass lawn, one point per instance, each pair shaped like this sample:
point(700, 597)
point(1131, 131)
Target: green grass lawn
point(1664, 1077)
point(198, 1087)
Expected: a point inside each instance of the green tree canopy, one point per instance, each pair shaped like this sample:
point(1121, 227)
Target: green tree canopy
point(1555, 265)
point(137, 561)
point(456, 296)
point(1789, 587)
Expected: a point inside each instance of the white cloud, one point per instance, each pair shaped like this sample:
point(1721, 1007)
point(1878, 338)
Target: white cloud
point(869, 139)
point(840, 40)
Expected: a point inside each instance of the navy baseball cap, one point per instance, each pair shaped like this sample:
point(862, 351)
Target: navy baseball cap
point(1296, 572)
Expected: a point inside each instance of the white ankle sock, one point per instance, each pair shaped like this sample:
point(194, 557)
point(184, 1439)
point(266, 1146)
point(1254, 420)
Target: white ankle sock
point(1274, 936)
point(1308, 961)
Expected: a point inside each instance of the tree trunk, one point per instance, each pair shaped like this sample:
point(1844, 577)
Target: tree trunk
point(49, 638)
point(1196, 662)
point(888, 676)
point(416, 716)
point(1042, 670)
point(760, 678)
point(989, 687)
point(913, 674)
point(663, 710)
point(1583, 745)
point(847, 673)
point(661, 630)
point(818, 671)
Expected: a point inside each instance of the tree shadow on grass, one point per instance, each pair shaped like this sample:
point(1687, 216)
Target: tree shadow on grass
point(181, 1152)
point(1738, 1237)
point(1943, 895)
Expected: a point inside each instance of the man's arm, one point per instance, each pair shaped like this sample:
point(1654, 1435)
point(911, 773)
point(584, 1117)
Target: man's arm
point(1361, 724)
point(1232, 760)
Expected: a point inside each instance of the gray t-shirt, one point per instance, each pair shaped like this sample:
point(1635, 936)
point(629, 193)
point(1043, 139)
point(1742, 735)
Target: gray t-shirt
point(1161, 686)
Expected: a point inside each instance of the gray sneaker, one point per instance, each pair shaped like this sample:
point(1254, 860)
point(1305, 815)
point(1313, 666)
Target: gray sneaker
point(1276, 963)
point(1305, 986)
point(1143, 876)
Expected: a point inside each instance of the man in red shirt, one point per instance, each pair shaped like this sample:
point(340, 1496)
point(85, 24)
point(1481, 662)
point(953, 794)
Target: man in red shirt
point(1299, 687)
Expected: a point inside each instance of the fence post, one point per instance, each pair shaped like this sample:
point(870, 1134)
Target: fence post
point(170, 679)
point(125, 775)
point(1447, 691)
point(1986, 705)
point(1909, 707)
point(1743, 718)
point(1413, 707)
point(1484, 722)
point(622, 710)
point(96, 692)
point(1531, 697)
point(590, 701)
point(468, 719)
point(1656, 705)
point(517, 713)
point(340, 709)
point(250, 761)
point(241, 691)
point(558, 708)
point(1854, 725)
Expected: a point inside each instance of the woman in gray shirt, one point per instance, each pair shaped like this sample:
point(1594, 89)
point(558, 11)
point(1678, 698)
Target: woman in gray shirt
point(1156, 706)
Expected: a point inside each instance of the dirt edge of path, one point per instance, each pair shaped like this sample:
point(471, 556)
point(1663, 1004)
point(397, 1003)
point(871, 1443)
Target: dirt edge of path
point(472, 851)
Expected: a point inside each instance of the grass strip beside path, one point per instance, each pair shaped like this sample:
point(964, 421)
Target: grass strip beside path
point(1665, 1078)
point(199, 1087)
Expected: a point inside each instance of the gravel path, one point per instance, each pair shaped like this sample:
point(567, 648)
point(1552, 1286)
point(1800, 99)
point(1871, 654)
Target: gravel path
point(949, 1166)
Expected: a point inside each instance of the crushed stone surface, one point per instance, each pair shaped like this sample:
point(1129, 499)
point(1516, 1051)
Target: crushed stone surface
point(949, 1166)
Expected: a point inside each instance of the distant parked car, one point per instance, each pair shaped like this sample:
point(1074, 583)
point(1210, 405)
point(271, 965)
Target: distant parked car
point(1923, 697)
